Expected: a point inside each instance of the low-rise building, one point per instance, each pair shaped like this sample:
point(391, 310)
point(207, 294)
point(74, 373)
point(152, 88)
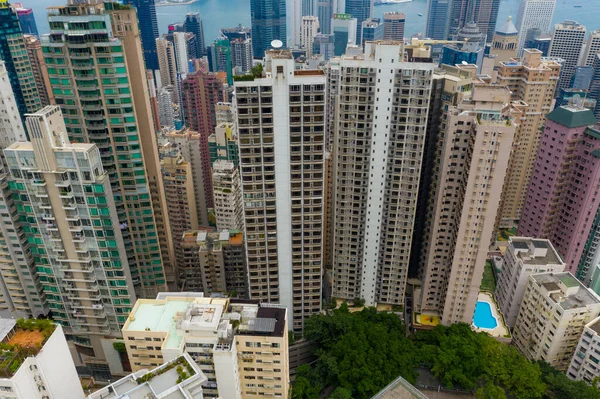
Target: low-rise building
point(240, 345)
point(179, 378)
point(585, 364)
point(554, 311)
point(35, 362)
point(523, 256)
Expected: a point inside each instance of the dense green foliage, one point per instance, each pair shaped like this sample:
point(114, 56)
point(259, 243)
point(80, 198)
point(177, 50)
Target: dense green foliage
point(360, 353)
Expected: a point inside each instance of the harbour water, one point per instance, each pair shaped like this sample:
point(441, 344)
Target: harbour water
point(229, 13)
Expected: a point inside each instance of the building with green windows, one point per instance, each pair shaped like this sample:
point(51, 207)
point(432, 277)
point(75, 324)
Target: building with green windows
point(66, 209)
point(96, 69)
point(222, 144)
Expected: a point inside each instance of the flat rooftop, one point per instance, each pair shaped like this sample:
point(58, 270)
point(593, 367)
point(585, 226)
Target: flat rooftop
point(594, 325)
point(550, 256)
point(565, 282)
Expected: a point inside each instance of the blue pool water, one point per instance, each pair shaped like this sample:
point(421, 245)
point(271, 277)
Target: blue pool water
point(483, 317)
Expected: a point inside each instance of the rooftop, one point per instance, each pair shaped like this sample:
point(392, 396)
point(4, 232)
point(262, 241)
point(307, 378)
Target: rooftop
point(508, 28)
point(594, 325)
point(572, 293)
point(572, 116)
point(180, 378)
point(399, 389)
point(534, 251)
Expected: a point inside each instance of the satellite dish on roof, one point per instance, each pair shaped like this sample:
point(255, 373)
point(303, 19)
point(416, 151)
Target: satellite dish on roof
point(277, 43)
point(465, 63)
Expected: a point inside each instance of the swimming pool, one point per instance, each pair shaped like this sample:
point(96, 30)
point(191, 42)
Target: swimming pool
point(483, 317)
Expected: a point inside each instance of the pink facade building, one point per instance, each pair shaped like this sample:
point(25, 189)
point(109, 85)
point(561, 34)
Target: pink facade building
point(562, 198)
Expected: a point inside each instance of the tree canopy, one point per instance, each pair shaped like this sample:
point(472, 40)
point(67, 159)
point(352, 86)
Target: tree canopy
point(359, 353)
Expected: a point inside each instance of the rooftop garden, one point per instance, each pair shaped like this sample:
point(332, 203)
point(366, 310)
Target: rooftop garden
point(28, 338)
point(181, 366)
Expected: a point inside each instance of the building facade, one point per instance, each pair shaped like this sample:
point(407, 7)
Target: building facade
point(310, 27)
point(532, 82)
point(393, 25)
point(227, 196)
point(98, 107)
point(482, 12)
point(437, 19)
point(39, 69)
point(283, 190)
point(584, 364)
point(567, 43)
point(268, 24)
point(372, 30)
point(361, 10)
point(146, 13)
point(193, 24)
point(554, 311)
point(505, 42)
point(523, 257)
point(533, 14)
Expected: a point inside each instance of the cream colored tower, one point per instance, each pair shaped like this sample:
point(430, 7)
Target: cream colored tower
point(532, 82)
point(505, 42)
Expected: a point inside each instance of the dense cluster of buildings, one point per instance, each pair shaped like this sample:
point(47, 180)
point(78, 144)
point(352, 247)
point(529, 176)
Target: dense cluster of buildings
point(177, 206)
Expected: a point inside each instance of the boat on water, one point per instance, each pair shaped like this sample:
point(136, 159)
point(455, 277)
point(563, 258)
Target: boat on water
point(384, 2)
point(577, 6)
point(420, 14)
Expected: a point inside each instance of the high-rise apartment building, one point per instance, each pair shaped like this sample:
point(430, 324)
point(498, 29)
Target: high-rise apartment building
point(223, 144)
point(219, 57)
point(268, 24)
point(591, 48)
point(67, 211)
point(505, 42)
point(310, 27)
point(372, 30)
point(379, 133)
point(215, 263)
point(393, 25)
point(534, 14)
point(241, 55)
point(190, 145)
point(39, 69)
point(325, 11)
point(562, 198)
point(200, 93)
point(584, 363)
point(361, 10)
point(167, 67)
point(284, 121)
point(224, 113)
point(146, 13)
point(16, 61)
point(181, 201)
point(478, 136)
point(165, 108)
point(98, 107)
point(193, 24)
point(227, 196)
point(324, 45)
point(293, 22)
point(437, 19)
point(11, 125)
point(594, 88)
point(232, 341)
point(554, 311)
point(180, 44)
point(532, 82)
point(567, 43)
point(483, 12)
point(523, 257)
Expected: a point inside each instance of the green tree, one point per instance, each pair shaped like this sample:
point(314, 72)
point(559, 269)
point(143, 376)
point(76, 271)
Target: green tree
point(341, 393)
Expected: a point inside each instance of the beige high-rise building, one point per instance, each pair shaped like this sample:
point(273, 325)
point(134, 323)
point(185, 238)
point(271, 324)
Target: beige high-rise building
point(532, 81)
point(505, 42)
point(181, 202)
point(188, 142)
point(477, 140)
point(380, 127)
point(39, 69)
point(227, 196)
point(554, 311)
point(168, 67)
point(215, 262)
point(310, 27)
point(110, 107)
point(240, 345)
point(281, 130)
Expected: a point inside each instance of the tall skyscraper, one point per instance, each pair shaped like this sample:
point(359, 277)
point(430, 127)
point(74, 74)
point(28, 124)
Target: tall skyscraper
point(200, 93)
point(98, 108)
point(16, 61)
point(310, 27)
point(393, 25)
point(325, 12)
point(68, 212)
point(483, 12)
point(227, 193)
point(180, 44)
point(343, 27)
point(594, 88)
point(532, 82)
point(437, 19)
point(478, 136)
point(148, 25)
point(39, 69)
point(293, 22)
point(241, 55)
point(165, 108)
point(168, 66)
point(562, 199)
point(567, 43)
point(268, 24)
point(534, 14)
point(361, 10)
point(592, 48)
point(11, 125)
point(219, 58)
point(505, 42)
point(27, 21)
point(283, 191)
point(377, 162)
point(193, 24)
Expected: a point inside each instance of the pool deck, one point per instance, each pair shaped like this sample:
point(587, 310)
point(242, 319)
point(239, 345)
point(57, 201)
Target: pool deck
point(500, 331)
